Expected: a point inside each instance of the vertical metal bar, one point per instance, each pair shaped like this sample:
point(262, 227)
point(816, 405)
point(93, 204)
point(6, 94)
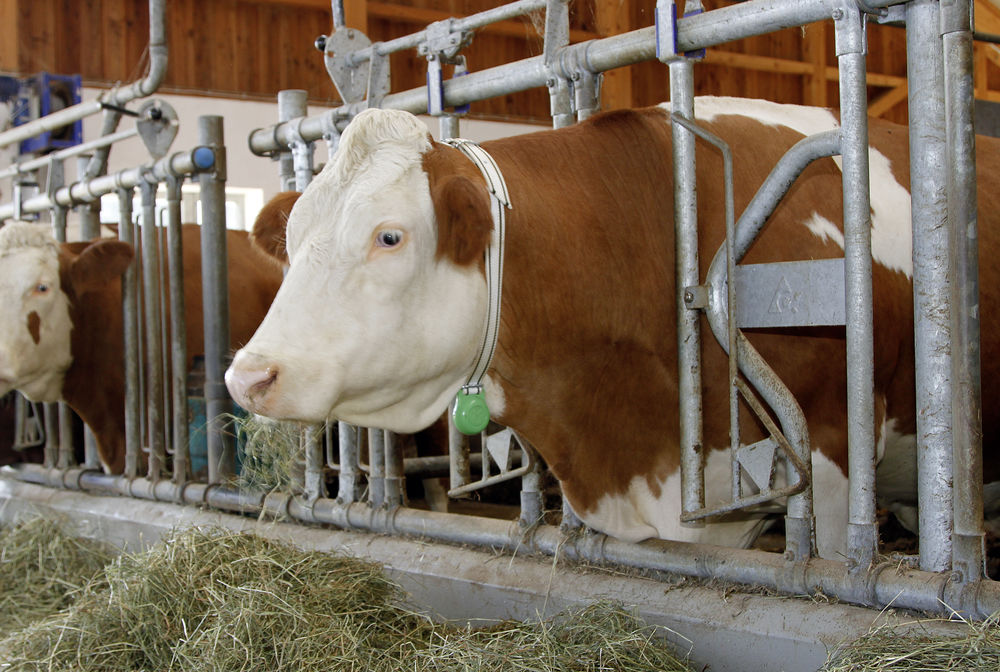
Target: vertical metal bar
point(395, 481)
point(291, 105)
point(347, 488)
point(587, 92)
point(556, 36)
point(376, 467)
point(968, 540)
point(51, 414)
point(215, 300)
point(862, 536)
point(687, 275)
point(532, 502)
point(130, 326)
point(337, 8)
point(931, 284)
point(448, 123)
point(66, 455)
point(153, 323)
point(314, 485)
point(178, 331)
point(90, 228)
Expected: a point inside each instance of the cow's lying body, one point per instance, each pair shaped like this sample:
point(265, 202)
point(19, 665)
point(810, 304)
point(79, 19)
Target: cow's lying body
point(72, 349)
point(386, 250)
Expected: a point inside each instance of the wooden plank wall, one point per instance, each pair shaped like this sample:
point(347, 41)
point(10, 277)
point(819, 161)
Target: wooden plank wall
point(254, 48)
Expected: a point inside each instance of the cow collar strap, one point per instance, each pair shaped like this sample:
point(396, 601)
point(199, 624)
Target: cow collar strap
point(470, 413)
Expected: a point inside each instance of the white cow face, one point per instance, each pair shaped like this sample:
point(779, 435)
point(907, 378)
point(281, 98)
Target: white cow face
point(369, 326)
point(35, 322)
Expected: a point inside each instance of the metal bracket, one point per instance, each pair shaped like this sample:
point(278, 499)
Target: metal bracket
point(498, 452)
point(665, 16)
point(350, 78)
point(435, 82)
point(157, 126)
point(378, 78)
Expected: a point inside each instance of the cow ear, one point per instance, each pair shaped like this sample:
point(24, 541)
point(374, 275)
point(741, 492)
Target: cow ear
point(268, 232)
point(99, 263)
point(462, 208)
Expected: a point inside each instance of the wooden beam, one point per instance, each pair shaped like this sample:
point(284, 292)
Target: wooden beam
point(612, 18)
point(8, 45)
point(355, 15)
point(735, 59)
point(887, 101)
point(980, 55)
point(816, 48)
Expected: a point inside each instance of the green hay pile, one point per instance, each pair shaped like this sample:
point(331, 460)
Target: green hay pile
point(42, 569)
point(886, 649)
point(216, 600)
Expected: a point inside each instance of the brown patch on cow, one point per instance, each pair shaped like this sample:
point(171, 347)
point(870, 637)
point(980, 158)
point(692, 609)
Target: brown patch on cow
point(461, 206)
point(34, 327)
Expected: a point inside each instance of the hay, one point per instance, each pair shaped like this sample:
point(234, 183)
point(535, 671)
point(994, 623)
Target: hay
point(272, 459)
point(42, 569)
point(217, 600)
point(884, 648)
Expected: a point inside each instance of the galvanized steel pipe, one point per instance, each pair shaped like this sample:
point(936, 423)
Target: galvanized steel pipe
point(967, 429)
point(931, 282)
point(851, 46)
point(215, 302)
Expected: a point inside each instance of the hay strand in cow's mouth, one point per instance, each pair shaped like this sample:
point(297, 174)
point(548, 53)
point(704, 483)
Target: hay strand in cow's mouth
point(218, 600)
point(272, 459)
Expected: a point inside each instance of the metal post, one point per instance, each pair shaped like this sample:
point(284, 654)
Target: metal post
point(851, 46)
point(50, 412)
point(968, 539)
point(64, 455)
point(215, 300)
point(90, 228)
point(376, 467)
point(291, 105)
point(314, 485)
point(130, 326)
point(178, 330)
point(687, 275)
point(395, 481)
point(449, 126)
point(931, 283)
point(347, 491)
point(153, 326)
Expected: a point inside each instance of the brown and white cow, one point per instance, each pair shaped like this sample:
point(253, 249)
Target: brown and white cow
point(61, 319)
point(381, 314)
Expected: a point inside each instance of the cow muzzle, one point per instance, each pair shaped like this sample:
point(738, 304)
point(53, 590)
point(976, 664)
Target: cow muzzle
point(251, 380)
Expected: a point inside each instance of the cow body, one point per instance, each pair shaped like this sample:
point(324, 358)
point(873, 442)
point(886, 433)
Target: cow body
point(75, 351)
point(586, 366)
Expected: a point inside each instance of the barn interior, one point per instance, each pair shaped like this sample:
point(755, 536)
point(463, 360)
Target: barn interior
point(230, 59)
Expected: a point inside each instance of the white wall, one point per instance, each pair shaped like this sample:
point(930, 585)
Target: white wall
point(255, 177)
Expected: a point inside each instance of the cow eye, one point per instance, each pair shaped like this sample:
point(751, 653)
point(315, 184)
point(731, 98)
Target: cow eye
point(41, 288)
point(388, 238)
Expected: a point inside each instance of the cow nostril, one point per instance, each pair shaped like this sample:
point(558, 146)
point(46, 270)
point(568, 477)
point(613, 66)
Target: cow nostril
point(271, 374)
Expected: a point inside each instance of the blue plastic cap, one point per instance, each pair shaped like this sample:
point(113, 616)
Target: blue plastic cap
point(204, 158)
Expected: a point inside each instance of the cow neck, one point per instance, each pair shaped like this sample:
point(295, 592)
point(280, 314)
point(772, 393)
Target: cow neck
point(471, 413)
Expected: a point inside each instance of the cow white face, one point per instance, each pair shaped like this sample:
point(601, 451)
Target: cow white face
point(35, 324)
point(369, 326)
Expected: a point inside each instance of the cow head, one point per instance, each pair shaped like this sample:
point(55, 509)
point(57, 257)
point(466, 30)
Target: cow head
point(379, 319)
point(39, 280)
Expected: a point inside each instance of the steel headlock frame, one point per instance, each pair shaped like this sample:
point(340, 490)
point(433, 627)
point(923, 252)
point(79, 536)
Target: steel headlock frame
point(859, 580)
